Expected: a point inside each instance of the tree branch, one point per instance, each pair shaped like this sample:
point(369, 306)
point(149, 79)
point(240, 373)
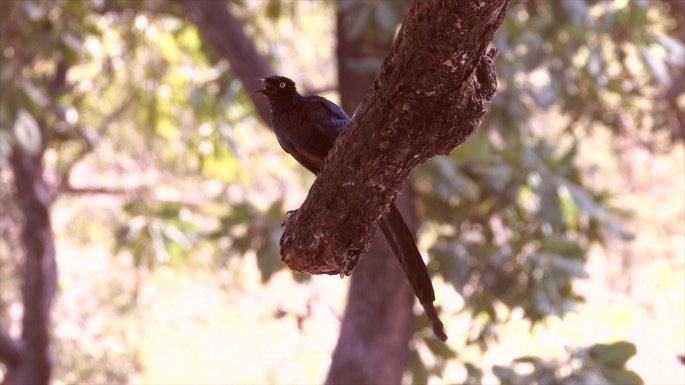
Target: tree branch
point(226, 35)
point(434, 88)
point(10, 349)
point(40, 269)
point(379, 321)
point(65, 183)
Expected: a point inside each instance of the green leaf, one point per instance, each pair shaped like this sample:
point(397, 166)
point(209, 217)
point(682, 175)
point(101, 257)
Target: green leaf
point(550, 206)
point(594, 62)
point(242, 244)
point(159, 247)
point(34, 11)
point(5, 148)
point(419, 374)
point(268, 261)
point(615, 355)
point(577, 10)
point(504, 374)
point(572, 267)
point(27, 133)
point(274, 216)
point(474, 375)
point(240, 213)
point(274, 10)
point(560, 245)
point(544, 97)
point(619, 376)
point(448, 173)
point(583, 199)
point(35, 93)
point(656, 66)
point(439, 348)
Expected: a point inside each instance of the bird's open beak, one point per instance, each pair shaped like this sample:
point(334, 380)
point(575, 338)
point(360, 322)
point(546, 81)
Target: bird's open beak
point(264, 91)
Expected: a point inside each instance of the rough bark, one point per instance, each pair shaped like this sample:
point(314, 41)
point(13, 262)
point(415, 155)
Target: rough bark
point(434, 88)
point(373, 345)
point(34, 364)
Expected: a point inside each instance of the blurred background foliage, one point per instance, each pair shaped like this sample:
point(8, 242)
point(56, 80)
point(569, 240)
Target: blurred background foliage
point(169, 194)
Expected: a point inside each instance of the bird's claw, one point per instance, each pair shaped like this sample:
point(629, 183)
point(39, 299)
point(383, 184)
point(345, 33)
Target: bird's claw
point(288, 214)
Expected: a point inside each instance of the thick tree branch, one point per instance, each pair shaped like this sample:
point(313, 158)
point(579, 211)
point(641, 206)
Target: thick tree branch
point(40, 270)
point(10, 349)
point(379, 319)
point(373, 347)
point(433, 91)
point(226, 35)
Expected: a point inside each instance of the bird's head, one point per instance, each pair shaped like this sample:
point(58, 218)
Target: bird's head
point(277, 87)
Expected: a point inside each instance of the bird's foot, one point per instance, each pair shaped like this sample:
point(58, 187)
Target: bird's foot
point(287, 217)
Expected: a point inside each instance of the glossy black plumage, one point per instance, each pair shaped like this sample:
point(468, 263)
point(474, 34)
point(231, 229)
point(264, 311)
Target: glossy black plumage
point(306, 128)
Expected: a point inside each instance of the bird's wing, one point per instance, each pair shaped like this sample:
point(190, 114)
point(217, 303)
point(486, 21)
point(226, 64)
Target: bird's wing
point(310, 161)
point(328, 118)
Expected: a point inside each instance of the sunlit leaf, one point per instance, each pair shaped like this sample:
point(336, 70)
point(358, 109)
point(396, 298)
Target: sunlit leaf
point(550, 206)
point(615, 355)
point(573, 267)
point(656, 66)
point(268, 260)
point(439, 348)
point(577, 10)
point(419, 374)
point(621, 376)
point(504, 374)
point(27, 133)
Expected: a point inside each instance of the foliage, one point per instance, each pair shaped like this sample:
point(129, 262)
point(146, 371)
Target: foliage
point(98, 83)
point(596, 364)
point(512, 212)
point(600, 364)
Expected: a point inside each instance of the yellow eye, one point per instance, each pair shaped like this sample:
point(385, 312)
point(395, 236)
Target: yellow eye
point(282, 85)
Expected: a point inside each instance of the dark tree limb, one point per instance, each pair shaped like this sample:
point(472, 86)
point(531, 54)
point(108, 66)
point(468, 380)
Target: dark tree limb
point(40, 269)
point(379, 317)
point(225, 33)
point(434, 88)
point(11, 349)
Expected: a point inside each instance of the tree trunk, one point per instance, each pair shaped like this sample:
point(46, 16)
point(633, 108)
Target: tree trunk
point(373, 346)
point(31, 361)
point(379, 320)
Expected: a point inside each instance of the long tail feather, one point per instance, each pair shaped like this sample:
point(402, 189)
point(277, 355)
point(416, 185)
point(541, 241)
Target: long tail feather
point(402, 244)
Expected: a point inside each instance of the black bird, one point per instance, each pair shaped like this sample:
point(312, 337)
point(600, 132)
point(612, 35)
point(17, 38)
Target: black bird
point(307, 127)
